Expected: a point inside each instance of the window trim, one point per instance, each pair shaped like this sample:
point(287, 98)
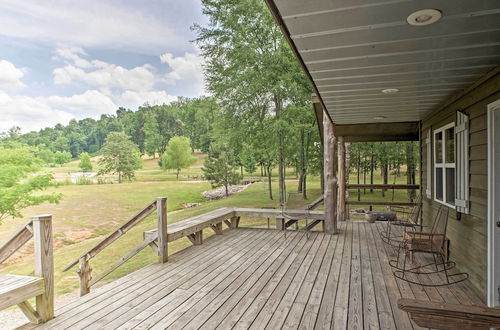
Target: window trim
point(443, 165)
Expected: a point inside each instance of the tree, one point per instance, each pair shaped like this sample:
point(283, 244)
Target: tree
point(19, 186)
point(178, 155)
point(62, 157)
point(119, 155)
point(250, 67)
point(152, 140)
point(220, 169)
point(46, 155)
point(85, 165)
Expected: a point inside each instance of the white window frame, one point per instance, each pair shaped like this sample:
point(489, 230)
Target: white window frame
point(443, 165)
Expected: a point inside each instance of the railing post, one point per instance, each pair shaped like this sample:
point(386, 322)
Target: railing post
point(84, 272)
point(44, 264)
point(161, 210)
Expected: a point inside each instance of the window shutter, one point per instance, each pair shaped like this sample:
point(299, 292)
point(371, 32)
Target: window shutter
point(462, 163)
point(428, 147)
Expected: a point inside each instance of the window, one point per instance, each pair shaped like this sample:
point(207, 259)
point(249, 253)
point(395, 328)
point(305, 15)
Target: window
point(444, 165)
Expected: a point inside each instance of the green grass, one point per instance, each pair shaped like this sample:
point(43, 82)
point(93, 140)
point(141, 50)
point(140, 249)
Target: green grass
point(89, 212)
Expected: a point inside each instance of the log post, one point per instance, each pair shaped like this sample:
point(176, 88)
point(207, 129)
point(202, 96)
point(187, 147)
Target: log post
point(44, 265)
point(84, 272)
point(161, 210)
point(330, 177)
point(342, 180)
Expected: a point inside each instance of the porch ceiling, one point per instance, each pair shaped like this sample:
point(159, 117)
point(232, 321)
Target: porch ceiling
point(353, 49)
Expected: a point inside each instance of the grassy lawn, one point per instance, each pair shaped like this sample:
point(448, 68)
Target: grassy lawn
point(88, 212)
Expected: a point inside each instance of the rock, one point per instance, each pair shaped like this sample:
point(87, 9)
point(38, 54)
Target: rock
point(220, 192)
point(190, 205)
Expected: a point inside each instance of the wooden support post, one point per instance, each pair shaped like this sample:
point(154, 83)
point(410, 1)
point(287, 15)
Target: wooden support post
point(235, 222)
point(330, 194)
point(84, 272)
point(217, 228)
point(29, 312)
point(161, 210)
point(342, 180)
point(196, 238)
point(44, 265)
point(228, 223)
point(280, 223)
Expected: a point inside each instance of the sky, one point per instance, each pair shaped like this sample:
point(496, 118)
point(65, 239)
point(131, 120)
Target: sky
point(64, 59)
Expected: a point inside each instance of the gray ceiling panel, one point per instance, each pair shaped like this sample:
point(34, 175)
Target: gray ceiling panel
point(353, 49)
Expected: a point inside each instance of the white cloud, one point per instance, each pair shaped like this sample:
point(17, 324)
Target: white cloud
point(187, 68)
point(90, 23)
point(33, 113)
point(29, 113)
point(91, 103)
point(136, 99)
point(10, 76)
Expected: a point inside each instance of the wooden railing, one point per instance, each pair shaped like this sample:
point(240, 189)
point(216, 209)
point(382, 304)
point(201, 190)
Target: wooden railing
point(16, 289)
point(158, 243)
point(385, 187)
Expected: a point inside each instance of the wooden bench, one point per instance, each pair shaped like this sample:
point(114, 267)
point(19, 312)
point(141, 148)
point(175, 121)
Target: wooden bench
point(192, 228)
point(18, 289)
point(449, 316)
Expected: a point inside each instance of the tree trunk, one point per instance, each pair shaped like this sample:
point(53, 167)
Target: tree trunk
point(304, 187)
point(119, 177)
point(385, 176)
point(358, 173)
point(268, 169)
point(281, 151)
point(302, 162)
point(372, 165)
point(177, 174)
point(227, 190)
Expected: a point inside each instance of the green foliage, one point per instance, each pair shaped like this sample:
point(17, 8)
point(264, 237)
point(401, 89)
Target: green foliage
point(46, 155)
point(119, 155)
point(19, 187)
point(85, 165)
point(62, 157)
point(178, 154)
point(220, 169)
point(152, 137)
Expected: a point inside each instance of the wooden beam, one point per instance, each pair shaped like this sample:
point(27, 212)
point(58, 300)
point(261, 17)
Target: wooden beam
point(311, 225)
point(196, 238)
point(235, 222)
point(377, 132)
point(162, 245)
point(342, 180)
point(330, 177)
point(44, 265)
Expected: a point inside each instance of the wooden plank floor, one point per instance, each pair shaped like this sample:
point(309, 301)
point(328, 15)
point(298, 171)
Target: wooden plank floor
point(260, 279)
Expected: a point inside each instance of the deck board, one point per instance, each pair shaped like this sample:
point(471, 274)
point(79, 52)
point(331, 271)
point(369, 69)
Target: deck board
point(258, 279)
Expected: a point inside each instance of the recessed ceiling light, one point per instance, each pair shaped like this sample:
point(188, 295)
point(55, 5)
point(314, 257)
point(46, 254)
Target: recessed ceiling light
point(390, 90)
point(379, 117)
point(424, 17)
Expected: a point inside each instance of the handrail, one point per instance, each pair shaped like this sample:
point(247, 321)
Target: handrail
point(16, 240)
point(84, 270)
point(383, 186)
point(113, 236)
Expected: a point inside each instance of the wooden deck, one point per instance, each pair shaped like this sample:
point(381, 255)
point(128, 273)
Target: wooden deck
point(257, 278)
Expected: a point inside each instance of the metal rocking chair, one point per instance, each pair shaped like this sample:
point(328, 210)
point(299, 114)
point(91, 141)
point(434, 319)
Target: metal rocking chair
point(432, 243)
point(409, 220)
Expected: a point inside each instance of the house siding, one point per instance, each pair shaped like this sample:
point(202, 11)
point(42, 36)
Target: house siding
point(468, 235)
